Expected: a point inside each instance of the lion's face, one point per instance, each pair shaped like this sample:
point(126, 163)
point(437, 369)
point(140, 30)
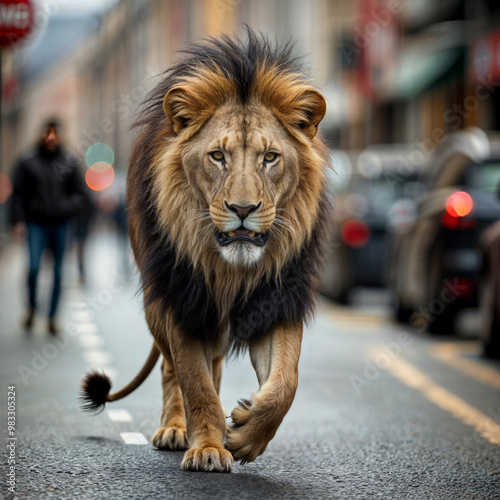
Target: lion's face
point(238, 181)
point(244, 166)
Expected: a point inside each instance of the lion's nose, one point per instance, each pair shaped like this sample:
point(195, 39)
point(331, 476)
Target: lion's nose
point(241, 211)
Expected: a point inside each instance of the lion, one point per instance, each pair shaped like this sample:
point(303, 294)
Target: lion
point(227, 203)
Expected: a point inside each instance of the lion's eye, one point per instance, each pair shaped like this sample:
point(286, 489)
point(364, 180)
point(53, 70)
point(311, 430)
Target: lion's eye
point(270, 157)
point(217, 156)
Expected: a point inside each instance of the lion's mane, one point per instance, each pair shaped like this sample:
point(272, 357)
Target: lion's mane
point(204, 293)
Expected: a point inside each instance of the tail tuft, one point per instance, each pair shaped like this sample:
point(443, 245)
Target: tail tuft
point(94, 391)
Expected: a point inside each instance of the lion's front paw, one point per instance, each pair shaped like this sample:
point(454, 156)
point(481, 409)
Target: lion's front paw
point(170, 438)
point(208, 460)
point(248, 435)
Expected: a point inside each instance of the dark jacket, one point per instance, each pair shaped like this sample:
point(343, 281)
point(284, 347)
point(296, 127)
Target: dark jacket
point(48, 188)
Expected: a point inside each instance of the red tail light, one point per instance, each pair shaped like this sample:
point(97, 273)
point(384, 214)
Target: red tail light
point(355, 233)
point(459, 204)
point(461, 287)
point(450, 222)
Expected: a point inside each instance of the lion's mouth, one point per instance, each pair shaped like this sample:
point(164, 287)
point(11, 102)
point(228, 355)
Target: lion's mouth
point(242, 234)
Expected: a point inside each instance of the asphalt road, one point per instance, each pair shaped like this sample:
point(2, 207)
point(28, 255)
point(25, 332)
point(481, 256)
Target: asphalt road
point(381, 412)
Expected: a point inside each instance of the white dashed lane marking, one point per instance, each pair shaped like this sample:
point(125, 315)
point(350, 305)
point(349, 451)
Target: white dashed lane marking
point(133, 438)
point(82, 316)
point(88, 340)
point(98, 359)
point(119, 415)
point(92, 342)
point(86, 329)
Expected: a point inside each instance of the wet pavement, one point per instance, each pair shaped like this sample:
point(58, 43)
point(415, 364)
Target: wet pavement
point(381, 411)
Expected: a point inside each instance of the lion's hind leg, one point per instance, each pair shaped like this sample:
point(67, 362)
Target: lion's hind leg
point(172, 435)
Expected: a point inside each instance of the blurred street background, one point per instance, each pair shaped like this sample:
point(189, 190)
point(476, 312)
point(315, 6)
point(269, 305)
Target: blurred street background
point(400, 373)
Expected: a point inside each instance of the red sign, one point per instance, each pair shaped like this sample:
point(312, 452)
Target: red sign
point(16, 20)
point(485, 60)
point(376, 39)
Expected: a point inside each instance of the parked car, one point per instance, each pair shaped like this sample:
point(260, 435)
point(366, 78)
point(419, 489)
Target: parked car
point(436, 260)
point(368, 185)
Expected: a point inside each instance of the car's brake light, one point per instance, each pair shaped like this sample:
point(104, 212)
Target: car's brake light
point(461, 287)
point(459, 204)
point(355, 233)
point(450, 222)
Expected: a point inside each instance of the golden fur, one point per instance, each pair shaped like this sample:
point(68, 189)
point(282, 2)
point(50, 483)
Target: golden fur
point(263, 123)
point(183, 194)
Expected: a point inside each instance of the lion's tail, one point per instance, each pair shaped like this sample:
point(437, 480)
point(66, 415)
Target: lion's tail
point(96, 385)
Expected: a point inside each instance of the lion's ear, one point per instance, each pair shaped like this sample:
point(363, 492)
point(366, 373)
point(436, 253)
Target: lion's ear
point(177, 106)
point(186, 107)
point(312, 109)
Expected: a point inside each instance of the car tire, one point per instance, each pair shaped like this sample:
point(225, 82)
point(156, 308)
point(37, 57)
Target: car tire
point(335, 282)
point(491, 347)
point(443, 324)
point(490, 324)
point(402, 314)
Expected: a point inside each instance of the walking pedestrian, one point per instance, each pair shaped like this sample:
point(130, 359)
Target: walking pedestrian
point(48, 190)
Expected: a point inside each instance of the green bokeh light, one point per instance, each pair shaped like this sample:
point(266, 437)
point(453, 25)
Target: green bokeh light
point(99, 152)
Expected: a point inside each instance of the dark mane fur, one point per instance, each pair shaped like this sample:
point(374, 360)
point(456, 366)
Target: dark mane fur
point(291, 299)
point(174, 284)
point(238, 60)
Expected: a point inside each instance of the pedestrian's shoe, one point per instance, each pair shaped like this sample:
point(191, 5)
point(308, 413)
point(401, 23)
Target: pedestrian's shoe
point(29, 319)
point(54, 328)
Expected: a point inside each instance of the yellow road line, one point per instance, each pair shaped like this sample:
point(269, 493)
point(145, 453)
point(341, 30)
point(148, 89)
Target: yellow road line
point(362, 320)
point(449, 353)
point(414, 378)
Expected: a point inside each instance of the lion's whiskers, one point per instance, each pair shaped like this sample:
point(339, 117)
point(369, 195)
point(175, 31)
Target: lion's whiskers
point(284, 223)
point(197, 221)
point(284, 210)
point(207, 230)
point(276, 231)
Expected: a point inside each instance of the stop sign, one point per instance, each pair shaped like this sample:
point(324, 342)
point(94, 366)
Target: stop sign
point(16, 20)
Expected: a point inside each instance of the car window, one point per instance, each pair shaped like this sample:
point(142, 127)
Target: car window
point(484, 177)
point(380, 193)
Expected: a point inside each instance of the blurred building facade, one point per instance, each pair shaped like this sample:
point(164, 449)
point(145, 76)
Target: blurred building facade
point(392, 70)
point(98, 87)
point(416, 70)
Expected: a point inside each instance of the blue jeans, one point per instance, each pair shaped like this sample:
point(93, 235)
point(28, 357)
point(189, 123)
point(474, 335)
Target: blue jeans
point(39, 238)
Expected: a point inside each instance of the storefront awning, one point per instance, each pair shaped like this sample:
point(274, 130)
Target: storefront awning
point(421, 67)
